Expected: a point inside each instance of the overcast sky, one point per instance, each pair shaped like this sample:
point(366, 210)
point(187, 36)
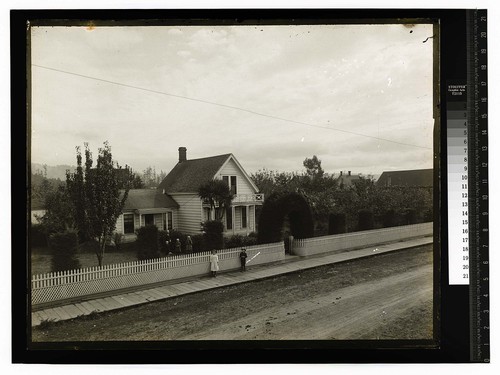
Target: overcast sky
point(358, 97)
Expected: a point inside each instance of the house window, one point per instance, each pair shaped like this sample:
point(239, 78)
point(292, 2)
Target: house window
point(231, 182)
point(244, 217)
point(149, 219)
point(229, 218)
point(206, 214)
point(170, 220)
point(128, 223)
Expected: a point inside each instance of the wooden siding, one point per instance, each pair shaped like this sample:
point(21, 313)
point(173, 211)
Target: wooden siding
point(158, 219)
point(237, 218)
point(189, 214)
point(119, 224)
point(242, 184)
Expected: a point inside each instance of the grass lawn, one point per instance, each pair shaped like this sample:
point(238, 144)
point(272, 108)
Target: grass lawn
point(41, 259)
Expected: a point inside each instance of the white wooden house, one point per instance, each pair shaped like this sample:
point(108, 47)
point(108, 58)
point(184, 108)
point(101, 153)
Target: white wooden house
point(175, 204)
point(185, 178)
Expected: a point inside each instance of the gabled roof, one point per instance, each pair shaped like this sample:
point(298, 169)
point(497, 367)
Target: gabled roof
point(148, 198)
point(415, 177)
point(187, 176)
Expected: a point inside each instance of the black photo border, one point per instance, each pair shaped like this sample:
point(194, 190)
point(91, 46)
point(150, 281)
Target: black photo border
point(452, 324)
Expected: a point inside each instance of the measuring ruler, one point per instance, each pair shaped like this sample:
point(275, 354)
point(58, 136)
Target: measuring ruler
point(457, 123)
point(477, 103)
point(467, 152)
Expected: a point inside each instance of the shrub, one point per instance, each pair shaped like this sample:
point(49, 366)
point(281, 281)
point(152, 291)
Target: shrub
point(320, 228)
point(117, 239)
point(428, 215)
point(198, 243)
point(410, 217)
point(253, 236)
point(389, 219)
point(147, 242)
point(239, 240)
point(236, 240)
point(37, 236)
point(213, 234)
point(336, 223)
point(365, 220)
point(64, 247)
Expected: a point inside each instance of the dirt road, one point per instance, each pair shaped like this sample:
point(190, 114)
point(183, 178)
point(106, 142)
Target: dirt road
point(388, 296)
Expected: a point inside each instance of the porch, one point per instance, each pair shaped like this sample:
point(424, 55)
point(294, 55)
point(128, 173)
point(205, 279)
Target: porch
point(241, 217)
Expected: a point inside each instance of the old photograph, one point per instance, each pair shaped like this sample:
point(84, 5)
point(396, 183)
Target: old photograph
point(195, 182)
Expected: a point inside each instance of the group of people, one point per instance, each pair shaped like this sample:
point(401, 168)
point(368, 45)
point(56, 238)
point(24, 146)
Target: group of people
point(214, 262)
point(175, 246)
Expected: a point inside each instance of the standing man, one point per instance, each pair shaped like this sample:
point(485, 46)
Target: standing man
point(243, 259)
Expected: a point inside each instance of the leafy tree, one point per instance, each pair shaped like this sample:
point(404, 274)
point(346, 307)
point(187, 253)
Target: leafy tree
point(95, 194)
point(128, 179)
point(313, 167)
point(269, 182)
point(59, 215)
point(216, 192)
point(42, 186)
point(151, 178)
point(326, 197)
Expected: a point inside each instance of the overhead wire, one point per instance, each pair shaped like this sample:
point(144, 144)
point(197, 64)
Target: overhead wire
point(228, 107)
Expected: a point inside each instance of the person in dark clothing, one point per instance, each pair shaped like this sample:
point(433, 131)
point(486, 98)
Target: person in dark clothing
point(243, 259)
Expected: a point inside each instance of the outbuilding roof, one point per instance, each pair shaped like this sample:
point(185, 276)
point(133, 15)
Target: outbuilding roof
point(147, 199)
point(415, 177)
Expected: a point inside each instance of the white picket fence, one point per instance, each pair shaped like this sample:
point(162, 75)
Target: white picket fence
point(80, 283)
point(347, 241)
point(57, 286)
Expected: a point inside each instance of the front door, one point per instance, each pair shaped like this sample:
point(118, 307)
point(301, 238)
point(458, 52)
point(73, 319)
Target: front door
point(149, 219)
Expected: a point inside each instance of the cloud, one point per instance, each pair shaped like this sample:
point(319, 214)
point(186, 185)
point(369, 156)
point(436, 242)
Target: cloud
point(317, 75)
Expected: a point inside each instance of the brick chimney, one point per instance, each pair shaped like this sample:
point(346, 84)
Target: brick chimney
point(182, 154)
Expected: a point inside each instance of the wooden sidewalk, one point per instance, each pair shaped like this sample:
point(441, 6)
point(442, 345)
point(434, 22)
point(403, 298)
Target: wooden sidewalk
point(194, 285)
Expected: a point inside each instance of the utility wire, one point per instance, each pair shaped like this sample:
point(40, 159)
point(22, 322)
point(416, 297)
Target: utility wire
point(228, 106)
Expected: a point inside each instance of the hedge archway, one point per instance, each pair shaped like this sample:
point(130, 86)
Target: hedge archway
point(276, 209)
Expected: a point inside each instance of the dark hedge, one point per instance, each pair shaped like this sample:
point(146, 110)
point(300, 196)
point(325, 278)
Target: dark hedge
point(274, 211)
point(64, 247)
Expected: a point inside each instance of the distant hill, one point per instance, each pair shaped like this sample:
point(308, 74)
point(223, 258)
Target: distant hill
point(58, 171)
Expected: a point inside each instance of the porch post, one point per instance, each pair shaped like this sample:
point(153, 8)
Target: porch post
point(247, 224)
point(233, 210)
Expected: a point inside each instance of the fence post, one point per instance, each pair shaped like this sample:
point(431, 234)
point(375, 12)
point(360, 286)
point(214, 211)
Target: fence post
point(290, 245)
